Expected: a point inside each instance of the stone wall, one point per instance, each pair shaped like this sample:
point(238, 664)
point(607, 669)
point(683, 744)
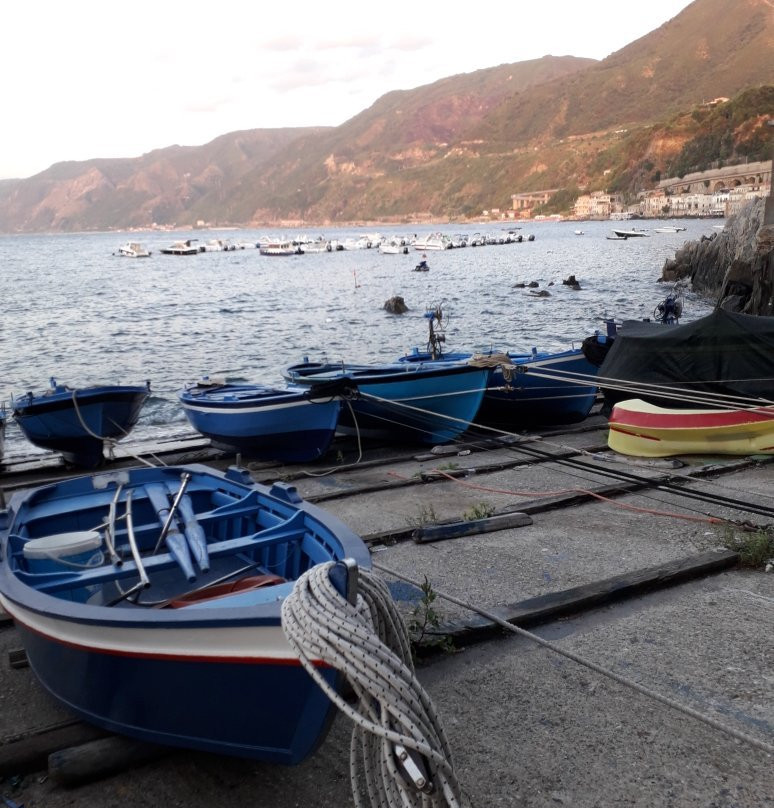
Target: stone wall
point(735, 265)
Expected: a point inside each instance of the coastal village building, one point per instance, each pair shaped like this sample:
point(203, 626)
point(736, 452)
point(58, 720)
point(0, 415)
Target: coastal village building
point(755, 176)
point(716, 192)
point(725, 202)
point(719, 191)
point(597, 205)
point(523, 204)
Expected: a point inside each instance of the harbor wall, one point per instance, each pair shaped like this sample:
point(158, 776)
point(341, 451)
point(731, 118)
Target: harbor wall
point(735, 266)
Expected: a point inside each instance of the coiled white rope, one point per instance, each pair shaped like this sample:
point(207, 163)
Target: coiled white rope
point(394, 717)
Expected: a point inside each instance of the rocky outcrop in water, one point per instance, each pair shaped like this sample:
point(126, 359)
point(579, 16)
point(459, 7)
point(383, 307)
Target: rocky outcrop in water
point(736, 265)
point(396, 305)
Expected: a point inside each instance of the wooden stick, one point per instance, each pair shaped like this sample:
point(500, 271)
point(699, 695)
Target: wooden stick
point(28, 752)
point(101, 758)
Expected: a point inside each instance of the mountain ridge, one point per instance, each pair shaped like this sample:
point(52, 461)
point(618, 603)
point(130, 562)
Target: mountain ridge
point(446, 149)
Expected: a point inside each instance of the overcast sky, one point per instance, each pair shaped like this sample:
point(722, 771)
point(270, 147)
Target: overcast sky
point(85, 79)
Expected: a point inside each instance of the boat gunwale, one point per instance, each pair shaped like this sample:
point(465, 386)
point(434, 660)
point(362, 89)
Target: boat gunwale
point(15, 590)
point(84, 396)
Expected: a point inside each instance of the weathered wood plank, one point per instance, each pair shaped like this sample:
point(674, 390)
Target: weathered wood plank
point(100, 758)
point(543, 608)
point(17, 658)
point(454, 530)
point(29, 752)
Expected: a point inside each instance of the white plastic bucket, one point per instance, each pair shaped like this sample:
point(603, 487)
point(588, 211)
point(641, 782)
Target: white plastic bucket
point(64, 552)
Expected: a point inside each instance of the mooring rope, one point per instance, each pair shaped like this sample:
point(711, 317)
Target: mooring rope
point(616, 677)
point(702, 398)
point(399, 755)
point(110, 443)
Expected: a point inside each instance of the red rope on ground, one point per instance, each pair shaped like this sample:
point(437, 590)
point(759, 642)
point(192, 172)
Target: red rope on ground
point(712, 520)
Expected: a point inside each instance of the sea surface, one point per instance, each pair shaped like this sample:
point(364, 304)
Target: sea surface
point(74, 310)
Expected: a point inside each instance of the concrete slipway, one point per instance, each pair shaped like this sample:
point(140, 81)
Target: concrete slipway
point(527, 726)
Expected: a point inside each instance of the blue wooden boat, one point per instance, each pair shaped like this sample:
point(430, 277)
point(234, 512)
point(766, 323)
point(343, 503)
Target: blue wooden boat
point(531, 389)
point(422, 402)
point(262, 421)
point(148, 601)
point(524, 389)
point(78, 422)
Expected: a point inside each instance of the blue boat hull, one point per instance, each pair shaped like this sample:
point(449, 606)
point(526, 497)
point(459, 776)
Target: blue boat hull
point(529, 398)
point(534, 400)
point(77, 422)
point(428, 404)
point(185, 664)
point(271, 424)
point(271, 712)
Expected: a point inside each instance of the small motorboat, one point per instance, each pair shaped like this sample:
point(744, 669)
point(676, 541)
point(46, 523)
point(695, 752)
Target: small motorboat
point(263, 421)
point(320, 245)
point(357, 243)
point(630, 233)
point(187, 247)
point(668, 229)
point(579, 233)
point(422, 402)
point(422, 266)
point(133, 249)
point(217, 245)
point(277, 248)
point(642, 429)
point(394, 246)
point(78, 423)
point(433, 241)
point(148, 602)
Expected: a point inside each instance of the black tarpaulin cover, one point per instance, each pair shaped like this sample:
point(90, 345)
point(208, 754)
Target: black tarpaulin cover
point(722, 353)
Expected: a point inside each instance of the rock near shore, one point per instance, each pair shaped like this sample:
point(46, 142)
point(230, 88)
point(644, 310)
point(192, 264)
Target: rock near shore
point(736, 265)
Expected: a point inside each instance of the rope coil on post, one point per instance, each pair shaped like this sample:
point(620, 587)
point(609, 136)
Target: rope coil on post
point(399, 755)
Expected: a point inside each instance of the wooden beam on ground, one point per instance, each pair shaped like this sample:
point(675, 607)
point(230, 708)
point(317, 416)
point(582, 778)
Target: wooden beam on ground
point(17, 658)
point(470, 527)
point(29, 751)
point(567, 602)
point(100, 758)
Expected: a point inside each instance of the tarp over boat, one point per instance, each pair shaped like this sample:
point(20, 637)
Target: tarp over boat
point(723, 353)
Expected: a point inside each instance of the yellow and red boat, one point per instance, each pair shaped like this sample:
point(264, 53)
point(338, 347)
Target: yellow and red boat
point(642, 429)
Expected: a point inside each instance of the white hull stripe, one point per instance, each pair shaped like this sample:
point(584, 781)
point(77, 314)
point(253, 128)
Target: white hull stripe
point(246, 410)
point(258, 644)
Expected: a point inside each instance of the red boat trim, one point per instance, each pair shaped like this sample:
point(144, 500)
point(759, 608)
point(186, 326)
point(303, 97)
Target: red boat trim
point(689, 420)
point(617, 428)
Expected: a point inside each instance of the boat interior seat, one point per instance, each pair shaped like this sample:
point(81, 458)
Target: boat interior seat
point(249, 582)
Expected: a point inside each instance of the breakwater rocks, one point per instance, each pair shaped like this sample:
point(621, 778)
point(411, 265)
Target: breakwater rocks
point(735, 265)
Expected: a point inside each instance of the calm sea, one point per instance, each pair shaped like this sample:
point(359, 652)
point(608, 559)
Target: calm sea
point(76, 311)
